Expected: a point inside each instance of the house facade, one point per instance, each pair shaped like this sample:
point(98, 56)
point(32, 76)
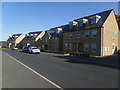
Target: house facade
point(15, 40)
point(32, 38)
point(52, 40)
point(95, 34)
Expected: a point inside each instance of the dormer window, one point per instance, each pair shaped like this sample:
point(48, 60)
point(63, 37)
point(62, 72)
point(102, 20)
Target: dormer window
point(35, 34)
point(58, 30)
point(31, 34)
point(94, 19)
point(72, 24)
point(82, 22)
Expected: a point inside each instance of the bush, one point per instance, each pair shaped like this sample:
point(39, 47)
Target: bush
point(85, 55)
point(75, 53)
point(57, 52)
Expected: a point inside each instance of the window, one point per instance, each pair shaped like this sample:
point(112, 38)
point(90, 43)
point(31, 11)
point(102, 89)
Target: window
point(86, 34)
point(93, 47)
point(113, 46)
point(80, 23)
point(92, 20)
point(55, 39)
point(70, 35)
point(31, 34)
point(45, 39)
point(77, 35)
point(66, 46)
point(112, 34)
point(66, 35)
point(35, 34)
point(105, 49)
point(94, 33)
point(115, 34)
point(54, 47)
point(69, 46)
point(42, 46)
point(108, 48)
point(86, 46)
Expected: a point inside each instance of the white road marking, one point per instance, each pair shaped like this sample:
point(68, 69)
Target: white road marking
point(35, 72)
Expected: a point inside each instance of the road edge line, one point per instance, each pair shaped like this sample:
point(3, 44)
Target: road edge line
point(35, 72)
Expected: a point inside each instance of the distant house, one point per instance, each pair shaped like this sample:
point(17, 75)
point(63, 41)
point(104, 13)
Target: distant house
point(95, 34)
point(3, 44)
point(15, 40)
point(52, 40)
point(31, 39)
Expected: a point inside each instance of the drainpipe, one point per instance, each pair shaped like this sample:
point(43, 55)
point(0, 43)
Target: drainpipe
point(102, 40)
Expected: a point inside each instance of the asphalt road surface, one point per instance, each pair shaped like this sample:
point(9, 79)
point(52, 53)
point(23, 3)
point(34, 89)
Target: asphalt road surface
point(56, 69)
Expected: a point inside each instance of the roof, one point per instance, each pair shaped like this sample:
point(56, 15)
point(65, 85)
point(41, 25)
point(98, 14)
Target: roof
point(37, 32)
point(14, 38)
point(103, 18)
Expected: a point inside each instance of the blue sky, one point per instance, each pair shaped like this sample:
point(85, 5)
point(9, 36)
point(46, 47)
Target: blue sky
point(24, 17)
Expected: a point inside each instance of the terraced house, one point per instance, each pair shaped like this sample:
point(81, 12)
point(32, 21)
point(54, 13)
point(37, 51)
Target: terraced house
point(52, 40)
point(15, 40)
point(95, 34)
point(31, 38)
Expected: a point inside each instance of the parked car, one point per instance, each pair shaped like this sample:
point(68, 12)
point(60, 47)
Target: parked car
point(34, 49)
point(25, 49)
point(14, 48)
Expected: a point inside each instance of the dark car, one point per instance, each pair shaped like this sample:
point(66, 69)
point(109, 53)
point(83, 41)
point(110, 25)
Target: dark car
point(25, 49)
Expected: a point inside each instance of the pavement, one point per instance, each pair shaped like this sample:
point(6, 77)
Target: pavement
point(62, 71)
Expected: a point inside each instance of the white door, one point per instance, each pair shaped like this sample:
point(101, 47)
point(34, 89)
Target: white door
point(113, 48)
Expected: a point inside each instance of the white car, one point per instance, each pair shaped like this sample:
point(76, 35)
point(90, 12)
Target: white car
point(14, 48)
point(33, 49)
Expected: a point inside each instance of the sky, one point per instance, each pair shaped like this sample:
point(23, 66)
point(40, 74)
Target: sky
point(25, 17)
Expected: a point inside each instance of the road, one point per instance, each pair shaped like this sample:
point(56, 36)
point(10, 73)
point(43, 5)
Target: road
point(56, 69)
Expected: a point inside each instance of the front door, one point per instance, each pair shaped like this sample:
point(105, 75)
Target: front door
point(113, 48)
point(46, 47)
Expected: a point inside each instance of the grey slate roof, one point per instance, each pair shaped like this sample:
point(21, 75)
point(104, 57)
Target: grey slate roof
point(14, 38)
point(37, 32)
point(103, 15)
